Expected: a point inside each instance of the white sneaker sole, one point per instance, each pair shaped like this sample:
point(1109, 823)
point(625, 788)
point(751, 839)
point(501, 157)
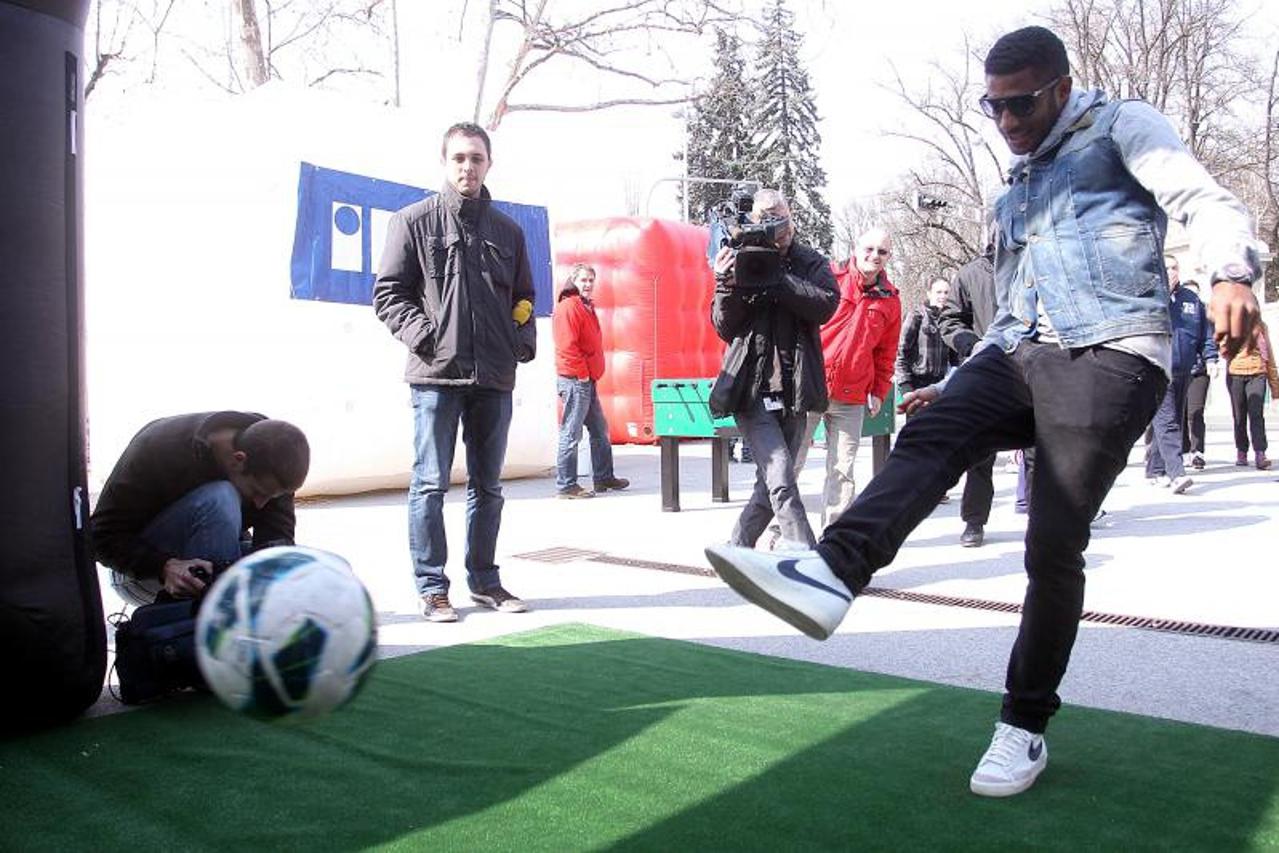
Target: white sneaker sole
point(757, 593)
point(509, 607)
point(1004, 789)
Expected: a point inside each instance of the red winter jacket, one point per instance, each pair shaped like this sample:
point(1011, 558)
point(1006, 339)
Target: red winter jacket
point(860, 341)
point(579, 345)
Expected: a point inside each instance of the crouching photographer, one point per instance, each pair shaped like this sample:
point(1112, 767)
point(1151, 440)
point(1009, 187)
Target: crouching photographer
point(772, 295)
point(188, 497)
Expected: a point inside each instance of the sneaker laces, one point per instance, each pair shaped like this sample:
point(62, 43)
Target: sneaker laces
point(438, 601)
point(1008, 745)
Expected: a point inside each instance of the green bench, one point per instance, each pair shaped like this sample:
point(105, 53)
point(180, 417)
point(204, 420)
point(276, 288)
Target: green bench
point(681, 412)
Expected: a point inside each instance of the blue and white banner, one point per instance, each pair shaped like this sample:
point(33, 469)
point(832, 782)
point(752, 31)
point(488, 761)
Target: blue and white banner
point(341, 227)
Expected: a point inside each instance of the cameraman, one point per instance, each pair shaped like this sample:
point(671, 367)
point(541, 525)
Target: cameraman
point(772, 374)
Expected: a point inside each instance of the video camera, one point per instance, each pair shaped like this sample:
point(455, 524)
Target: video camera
point(758, 261)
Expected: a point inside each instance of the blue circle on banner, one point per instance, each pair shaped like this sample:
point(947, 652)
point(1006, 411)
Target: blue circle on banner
point(346, 219)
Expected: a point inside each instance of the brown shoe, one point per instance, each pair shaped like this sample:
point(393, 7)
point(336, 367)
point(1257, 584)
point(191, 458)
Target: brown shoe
point(436, 608)
point(614, 483)
point(575, 491)
point(1262, 462)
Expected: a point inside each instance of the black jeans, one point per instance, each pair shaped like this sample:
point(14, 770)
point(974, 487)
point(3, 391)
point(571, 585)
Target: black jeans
point(1081, 410)
point(979, 492)
point(1196, 400)
point(1248, 405)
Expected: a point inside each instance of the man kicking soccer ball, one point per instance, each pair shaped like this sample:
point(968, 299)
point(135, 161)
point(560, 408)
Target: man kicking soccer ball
point(1074, 365)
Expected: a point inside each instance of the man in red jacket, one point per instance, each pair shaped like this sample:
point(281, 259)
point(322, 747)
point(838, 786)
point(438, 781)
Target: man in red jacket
point(859, 344)
point(579, 364)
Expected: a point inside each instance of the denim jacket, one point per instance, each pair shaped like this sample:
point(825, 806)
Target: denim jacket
point(1081, 225)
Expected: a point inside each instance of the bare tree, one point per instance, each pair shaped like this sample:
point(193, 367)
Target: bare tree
point(621, 42)
point(254, 54)
point(1267, 174)
point(937, 209)
point(124, 32)
point(1187, 58)
point(239, 45)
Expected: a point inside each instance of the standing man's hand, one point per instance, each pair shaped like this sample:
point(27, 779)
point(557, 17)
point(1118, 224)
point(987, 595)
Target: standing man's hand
point(178, 579)
point(913, 401)
point(1234, 312)
point(873, 404)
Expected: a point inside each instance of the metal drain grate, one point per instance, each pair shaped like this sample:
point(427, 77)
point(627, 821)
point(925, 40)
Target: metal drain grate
point(701, 571)
point(1146, 623)
point(560, 555)
point(1168, 626)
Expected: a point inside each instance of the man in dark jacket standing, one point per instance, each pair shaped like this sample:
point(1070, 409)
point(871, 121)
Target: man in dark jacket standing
point(185, 495)
point(772, 374)
point(455, 288)
point(968, 311)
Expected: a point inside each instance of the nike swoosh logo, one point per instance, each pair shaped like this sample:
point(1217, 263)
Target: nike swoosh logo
point(1036, 749)
point(788, 570)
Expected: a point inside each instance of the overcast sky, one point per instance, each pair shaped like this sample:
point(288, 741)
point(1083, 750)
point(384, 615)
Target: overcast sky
point(595, 164)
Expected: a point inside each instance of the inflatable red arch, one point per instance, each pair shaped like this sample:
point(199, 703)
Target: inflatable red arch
point(653, 300)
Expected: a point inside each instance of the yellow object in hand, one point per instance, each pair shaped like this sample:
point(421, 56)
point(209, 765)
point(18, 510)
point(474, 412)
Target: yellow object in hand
point(522, 311)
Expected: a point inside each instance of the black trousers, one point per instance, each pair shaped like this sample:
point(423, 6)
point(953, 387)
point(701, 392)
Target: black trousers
point(1196, 400)
point(1081, 410)
point(1248, 405)
point(979, 492)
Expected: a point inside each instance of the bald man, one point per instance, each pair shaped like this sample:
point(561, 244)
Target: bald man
point(859, 345)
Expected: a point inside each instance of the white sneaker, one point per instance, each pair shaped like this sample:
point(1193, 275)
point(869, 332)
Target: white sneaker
point(797, 587)
point(1011, 764)
point(1161, 481)
point(1181, 484)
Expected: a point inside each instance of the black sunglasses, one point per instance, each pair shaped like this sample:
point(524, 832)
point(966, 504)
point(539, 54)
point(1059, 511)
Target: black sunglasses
point(1019, 105)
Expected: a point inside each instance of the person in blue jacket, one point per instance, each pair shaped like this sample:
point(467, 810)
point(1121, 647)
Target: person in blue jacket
point(1192, 341)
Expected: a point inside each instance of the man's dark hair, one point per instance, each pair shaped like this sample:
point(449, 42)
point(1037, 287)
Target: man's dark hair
point(466, 128)
point(277, 448)
point(1029, 47)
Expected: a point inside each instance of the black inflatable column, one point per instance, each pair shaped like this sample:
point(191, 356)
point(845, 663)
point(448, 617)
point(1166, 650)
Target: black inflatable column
point(52, 637)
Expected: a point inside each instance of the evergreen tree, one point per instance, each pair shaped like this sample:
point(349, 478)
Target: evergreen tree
point(787, 142)
point(719, 130)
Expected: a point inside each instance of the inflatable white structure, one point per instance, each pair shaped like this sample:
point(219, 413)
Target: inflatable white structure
point(191, 212)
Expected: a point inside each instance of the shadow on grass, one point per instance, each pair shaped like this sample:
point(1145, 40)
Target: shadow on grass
point(575, 738)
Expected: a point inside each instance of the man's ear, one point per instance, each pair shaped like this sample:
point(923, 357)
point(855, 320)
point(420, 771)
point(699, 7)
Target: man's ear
point(238, 460)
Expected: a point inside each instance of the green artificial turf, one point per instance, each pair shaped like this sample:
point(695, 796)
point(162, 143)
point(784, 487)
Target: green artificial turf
point(575, 737)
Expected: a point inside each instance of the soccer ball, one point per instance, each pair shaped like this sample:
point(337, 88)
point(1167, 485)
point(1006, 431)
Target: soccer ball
point(286, 631)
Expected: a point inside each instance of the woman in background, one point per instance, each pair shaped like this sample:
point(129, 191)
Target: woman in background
point(1246, 377)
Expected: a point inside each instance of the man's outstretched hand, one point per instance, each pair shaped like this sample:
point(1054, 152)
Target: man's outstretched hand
point(1234, 312)
point(913, 401)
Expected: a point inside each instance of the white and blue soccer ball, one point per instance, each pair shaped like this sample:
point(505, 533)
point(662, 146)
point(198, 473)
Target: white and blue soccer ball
point(286, 632)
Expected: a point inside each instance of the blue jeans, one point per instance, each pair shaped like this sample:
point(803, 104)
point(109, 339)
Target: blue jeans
point(581, 408)
point(1163, 456)
point(204, 524)
point(485, 416)
point(774, 439)
point(1081, 410)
